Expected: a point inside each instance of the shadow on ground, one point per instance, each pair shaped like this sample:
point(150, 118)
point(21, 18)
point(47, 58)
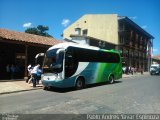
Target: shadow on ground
point(63, 90)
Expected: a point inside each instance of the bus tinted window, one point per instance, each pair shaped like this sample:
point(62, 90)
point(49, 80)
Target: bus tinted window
point(109, 57)
point(87, 55)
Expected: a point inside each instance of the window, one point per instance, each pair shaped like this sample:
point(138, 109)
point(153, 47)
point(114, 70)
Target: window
point(53, 62)
point(71, 64)
point(85, 32)
point(78, 31)
point(108, 57)
point(121, 39)
point(87, 55)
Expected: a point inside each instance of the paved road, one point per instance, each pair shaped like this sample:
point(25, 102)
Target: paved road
point(130, 95)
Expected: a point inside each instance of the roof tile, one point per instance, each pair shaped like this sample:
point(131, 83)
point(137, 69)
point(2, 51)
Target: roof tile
point(28, 38)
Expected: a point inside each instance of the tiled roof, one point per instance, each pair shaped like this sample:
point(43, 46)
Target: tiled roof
point(28, 38)
point(157, 57)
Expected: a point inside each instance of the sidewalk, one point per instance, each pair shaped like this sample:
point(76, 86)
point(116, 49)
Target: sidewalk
point(134, 75)
point(12, 86)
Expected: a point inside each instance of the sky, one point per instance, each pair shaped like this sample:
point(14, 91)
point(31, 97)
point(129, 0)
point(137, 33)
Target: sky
point(18, 15)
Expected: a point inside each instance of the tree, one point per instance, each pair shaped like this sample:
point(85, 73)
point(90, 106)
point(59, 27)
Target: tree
point(39, 30)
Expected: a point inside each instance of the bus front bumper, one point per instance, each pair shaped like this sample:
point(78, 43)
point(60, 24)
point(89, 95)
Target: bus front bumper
point(52, 83)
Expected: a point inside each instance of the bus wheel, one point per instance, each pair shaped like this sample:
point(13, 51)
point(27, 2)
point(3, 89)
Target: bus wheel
point(45, 88)
point(79, 83)
point(111, 79)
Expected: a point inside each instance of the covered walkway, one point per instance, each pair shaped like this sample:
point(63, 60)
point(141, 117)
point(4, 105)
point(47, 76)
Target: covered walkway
point(19, 49)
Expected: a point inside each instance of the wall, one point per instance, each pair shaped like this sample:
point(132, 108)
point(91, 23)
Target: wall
point(100, 26)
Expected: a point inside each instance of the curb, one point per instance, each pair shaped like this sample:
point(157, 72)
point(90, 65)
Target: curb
point(11, 80)
point(129, 76)
point(19, 91)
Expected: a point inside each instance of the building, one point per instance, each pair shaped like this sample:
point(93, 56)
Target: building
point(102, 29)
point(20, 49)
point(156, 59)
point(111, 31)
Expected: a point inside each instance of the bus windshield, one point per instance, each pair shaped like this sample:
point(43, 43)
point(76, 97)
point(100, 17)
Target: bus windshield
point(53, 62)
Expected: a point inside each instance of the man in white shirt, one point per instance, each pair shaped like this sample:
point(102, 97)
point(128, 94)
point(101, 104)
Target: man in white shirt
point(34, 74)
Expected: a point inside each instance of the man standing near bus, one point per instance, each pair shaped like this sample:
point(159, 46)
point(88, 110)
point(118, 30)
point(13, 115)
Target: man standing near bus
point(34, 73)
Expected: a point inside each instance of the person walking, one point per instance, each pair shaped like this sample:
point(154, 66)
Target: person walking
point(29, 74)
point(34, 74)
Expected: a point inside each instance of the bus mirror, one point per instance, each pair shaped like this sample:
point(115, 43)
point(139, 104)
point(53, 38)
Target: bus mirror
point(59, 53)
point(60, 50)
point(39, 54)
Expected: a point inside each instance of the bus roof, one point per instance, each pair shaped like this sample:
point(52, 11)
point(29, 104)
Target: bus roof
point(69, 44)
point(85, 46)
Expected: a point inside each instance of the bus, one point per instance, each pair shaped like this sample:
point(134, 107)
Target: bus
point(75, 65)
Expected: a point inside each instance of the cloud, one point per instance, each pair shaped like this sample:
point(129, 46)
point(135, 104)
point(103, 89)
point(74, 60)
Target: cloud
point(133, 18)
point(144, 26)
point(26, 25)
point(155, 50)
point(65, 22)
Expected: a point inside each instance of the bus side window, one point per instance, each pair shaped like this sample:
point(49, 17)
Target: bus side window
point(70, 65)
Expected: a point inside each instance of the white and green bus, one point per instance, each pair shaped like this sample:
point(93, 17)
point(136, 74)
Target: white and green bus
point(74, 65)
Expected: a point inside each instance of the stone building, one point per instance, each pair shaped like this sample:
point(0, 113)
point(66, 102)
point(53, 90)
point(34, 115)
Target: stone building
point(110, 31)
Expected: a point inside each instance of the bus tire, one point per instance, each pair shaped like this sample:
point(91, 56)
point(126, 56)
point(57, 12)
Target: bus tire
point(80, 83)
point(111, 79)
point(45, 88)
